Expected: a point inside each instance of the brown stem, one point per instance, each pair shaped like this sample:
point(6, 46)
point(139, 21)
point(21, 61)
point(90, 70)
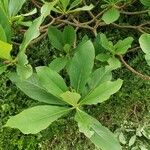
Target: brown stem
point(145, 77)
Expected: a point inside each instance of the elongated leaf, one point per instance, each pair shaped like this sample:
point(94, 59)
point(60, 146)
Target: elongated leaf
point(2, 34)
point(98, 134)
point(111, 15)
point(35, 119)
point(105, 42)
point(71, 98)
point(2, 69)
point(51, 81)
point(5, 49)
point(58, 64)
point(102, 92)
point(81, 66)
point(56, 38)
point(84, 8)
point(145, 46)
point(32, 33)
point(4, 22)
point(74, 4)
point(69, 35)
point(123, 45)
point(15, 6)
point(32, 88)
point(47, 7)
point(65, 3)
point(145, 2)
point(99, 76)
point(24, 69)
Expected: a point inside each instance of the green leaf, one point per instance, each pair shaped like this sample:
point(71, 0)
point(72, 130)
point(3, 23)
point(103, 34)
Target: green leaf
point(103, 57)
point(2, 34)
point(114, 63)
point(32, 33)
point(24, 70)
point(47, 7)
point(102, 92)
point(32, 88)
point(35, 119)
point(4, 22)
point(145, 2)
point(5, 49)
point(123, 45)
point(74, 4)
point(106, 43)
point(71, 98)
point(145, 45)
point(69, 35)
point(55, 37)
point(99, 76)
point(58, 64)
point(2, 69)
point(122, 138)
point(81, 66)
point(84, 8)
point(51, 81)
point(15, 6)
point(65, 3)
point(111, 15)
point(98, 134)
point(132, 140)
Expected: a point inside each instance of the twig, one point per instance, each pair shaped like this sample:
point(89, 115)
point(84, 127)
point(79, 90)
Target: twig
point(145, 77)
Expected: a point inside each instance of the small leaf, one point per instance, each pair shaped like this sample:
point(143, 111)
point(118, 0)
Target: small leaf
point(145, 2)
point(24, 70)
point(102, 92)
point(123, 45)
point(2, 69)
point(65, 3)
point(144, 41)
point(2, 34)
point(81, 66)
point(32, 88)
point(103, 57)
point(122, 138)
point(114, 63)
point(55, 37)
point(132, 140)
point(74, 4)
point(98, 134)
point(111, 15)
point(5, 49)
point(69, 35)
point(47, 7)
point(84, 8)
point(58, 64)
point(51, 81)
point(106, 43)
point(35, 119)
point(71, 98)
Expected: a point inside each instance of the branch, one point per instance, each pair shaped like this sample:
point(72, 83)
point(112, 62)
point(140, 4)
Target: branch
point(145, 77)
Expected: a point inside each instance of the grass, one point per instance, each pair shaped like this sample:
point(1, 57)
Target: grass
point(127, 109)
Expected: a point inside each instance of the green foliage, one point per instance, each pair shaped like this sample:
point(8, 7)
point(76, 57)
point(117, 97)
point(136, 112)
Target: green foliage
point(62, 40)
point(85, 70)
point(111, 15)
point(35, 121)
point(145, 44)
